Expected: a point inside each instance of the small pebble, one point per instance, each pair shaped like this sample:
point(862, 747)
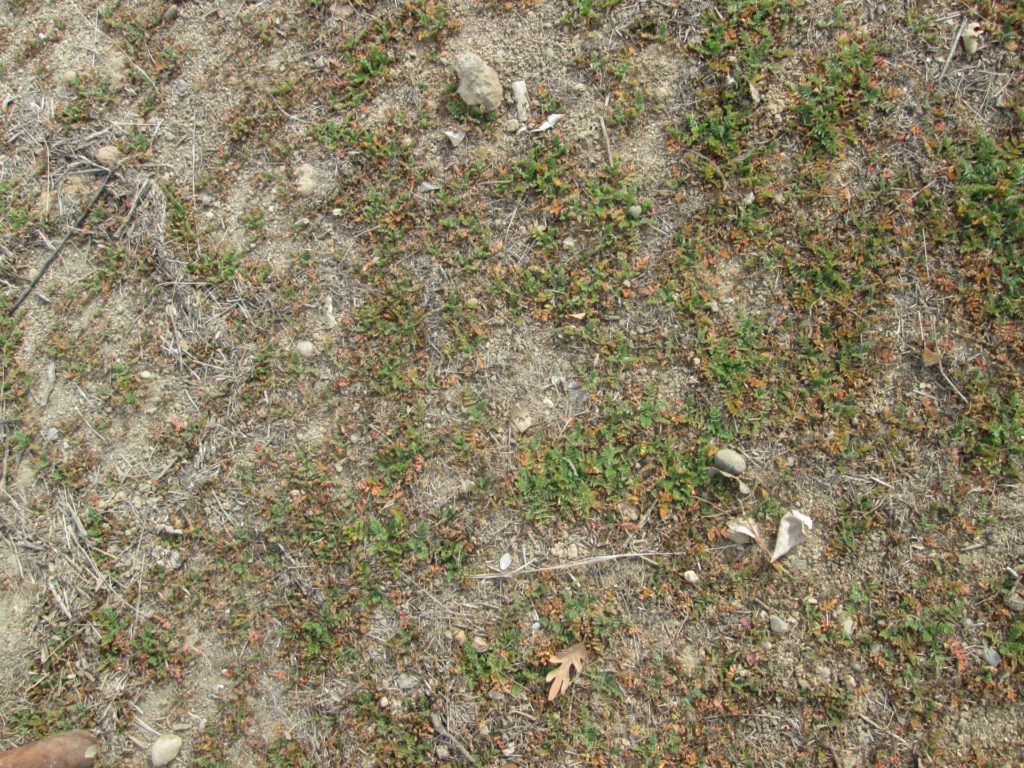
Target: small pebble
point(459, 636)
point(778, 625)
point(170, 14)
point(165, 749)
point(635, 212)
point(727, 460)
point(108, 154)
point(991, 657)
point(383, 702)
point(691, 577)
point(304, 348)
point(480, 644)
point(847, 626)
point(511, 125)
point(505, 562)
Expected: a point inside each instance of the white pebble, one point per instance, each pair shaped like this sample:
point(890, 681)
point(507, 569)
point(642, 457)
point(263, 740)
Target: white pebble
point(165, 749)
point(691, 577)
point(304, 348)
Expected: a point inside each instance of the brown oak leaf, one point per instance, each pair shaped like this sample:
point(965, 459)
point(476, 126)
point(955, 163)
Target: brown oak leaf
point(566, 659)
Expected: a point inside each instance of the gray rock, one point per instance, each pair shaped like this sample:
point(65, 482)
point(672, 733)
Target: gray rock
point(305, 348)
point(635, 212)
point(1014, 601)
point(778, 625)
point(991, 657)
point(727, 460)
point(170, 14)
point(479, 85)
point(406, 681)
point(511, 125)
point(309, 180)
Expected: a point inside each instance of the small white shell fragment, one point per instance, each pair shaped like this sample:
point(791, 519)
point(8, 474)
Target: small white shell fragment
point(304, 348)
point(455, 137)
point(549, 123)
point(505, 562)
point(165, 749)
point(522, 100)
point(971, 37)
point(691, 577)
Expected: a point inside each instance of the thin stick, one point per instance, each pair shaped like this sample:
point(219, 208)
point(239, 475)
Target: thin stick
point(438, 725)
point(950, 382)
point(131, 210)
point(60, 246)
point(952, 50)
point(607, 144)
point(523, 571)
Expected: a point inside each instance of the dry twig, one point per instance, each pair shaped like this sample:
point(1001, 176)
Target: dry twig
point(523, 571)
point(60, 246)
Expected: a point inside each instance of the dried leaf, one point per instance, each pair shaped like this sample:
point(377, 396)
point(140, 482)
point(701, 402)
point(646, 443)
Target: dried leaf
point(743, 488)
point(561, 678)
point(930, 357)
point(793, 529)
point(743, 530)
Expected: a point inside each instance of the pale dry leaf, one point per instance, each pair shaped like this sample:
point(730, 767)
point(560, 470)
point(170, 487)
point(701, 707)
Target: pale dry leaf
point(743, 488)
point(930, 357)
point(793, 529)
point(561, 677)
point(743, 530)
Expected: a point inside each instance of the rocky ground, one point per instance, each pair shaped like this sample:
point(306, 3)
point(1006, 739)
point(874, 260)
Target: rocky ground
point(343, 388)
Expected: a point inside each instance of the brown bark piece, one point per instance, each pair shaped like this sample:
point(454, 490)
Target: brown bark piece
point(74, 749)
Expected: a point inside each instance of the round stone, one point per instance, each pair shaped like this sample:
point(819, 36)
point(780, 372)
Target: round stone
point(165, 749)
point(727, 460)
point(691, 577)
point(778, 625)
point(635, 212)
point(304, 348)
point(991, 657)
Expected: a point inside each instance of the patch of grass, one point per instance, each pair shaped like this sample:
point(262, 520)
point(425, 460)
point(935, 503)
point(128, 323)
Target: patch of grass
point(594, 466)
point(216, 268)
point(990, 207)
point(842, 97)
point(389, 342)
